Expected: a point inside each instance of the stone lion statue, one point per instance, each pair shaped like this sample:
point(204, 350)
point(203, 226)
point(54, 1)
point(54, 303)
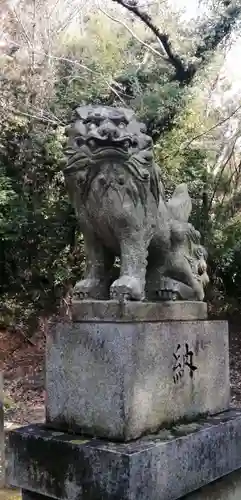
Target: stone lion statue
point(115, 188)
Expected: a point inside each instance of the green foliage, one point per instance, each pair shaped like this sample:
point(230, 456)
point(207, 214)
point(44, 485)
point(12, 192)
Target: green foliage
point(226, 258)
point(40, 247)
point(181, 160)
point(37, 226)
point(215, 196)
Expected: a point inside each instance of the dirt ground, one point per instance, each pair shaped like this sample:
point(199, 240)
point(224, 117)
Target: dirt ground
point(23, 365)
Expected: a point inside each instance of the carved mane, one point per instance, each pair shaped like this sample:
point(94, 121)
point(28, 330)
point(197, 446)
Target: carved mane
point(87, 124)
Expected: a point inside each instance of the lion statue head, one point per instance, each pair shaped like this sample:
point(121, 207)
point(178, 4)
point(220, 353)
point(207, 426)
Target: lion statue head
point(105, 135)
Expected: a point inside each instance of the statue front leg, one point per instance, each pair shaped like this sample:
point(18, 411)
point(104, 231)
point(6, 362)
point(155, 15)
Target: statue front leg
point(96, 283)
point(131, 283)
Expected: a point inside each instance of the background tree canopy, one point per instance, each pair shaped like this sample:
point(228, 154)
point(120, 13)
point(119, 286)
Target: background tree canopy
point(144, 54)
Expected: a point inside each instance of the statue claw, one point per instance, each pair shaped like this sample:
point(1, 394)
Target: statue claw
point(89, 288)
point(81, 295)
point(126, 288)
point(125, 297)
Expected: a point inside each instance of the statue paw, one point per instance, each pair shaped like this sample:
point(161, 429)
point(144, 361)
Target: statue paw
point(168, 295)
point(200, 294)
point(90, 288)
point(127, 288)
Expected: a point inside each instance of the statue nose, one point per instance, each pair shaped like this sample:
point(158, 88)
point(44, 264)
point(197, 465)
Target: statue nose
point(109, 130)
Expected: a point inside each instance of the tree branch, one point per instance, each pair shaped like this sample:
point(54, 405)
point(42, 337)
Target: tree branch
point(221, 122)
point(134, 35)
point(220, 174)
point(77, 64)
point(213, 36)
point(174, 59)
point(39, 118)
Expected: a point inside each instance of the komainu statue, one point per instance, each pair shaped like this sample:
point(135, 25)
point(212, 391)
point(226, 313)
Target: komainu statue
point(115, 188)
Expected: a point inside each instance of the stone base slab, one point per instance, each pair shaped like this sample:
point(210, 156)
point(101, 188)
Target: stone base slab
point(226, 488)
point(121, 380)
point(165, 466)
point(31, 495)
point(112, 310)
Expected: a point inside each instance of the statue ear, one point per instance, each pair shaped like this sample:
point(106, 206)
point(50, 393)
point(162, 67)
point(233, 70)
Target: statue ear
point(180, 205)
point(82, 112)
point(128, 113)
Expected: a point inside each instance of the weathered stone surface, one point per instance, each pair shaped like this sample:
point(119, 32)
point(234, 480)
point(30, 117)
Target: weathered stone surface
point(121, 380)
point(226, 488)
point(100, 310)
point(116, 191)
point(166, 466)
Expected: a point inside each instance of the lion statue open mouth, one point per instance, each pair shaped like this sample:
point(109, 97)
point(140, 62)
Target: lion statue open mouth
point(115, 188)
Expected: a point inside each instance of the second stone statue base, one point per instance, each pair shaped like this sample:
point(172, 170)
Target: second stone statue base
point(164, 466)
point(119, 372)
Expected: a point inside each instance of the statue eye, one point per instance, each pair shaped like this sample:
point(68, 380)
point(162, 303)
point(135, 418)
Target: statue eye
point(78, 142)
point(121, 125)
point(92, 126)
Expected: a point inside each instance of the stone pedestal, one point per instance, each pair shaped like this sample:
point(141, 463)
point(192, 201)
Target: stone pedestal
point(136, 395)
point(226, 488)
point(162, 467)
point(119, 373)
point(30, 495)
